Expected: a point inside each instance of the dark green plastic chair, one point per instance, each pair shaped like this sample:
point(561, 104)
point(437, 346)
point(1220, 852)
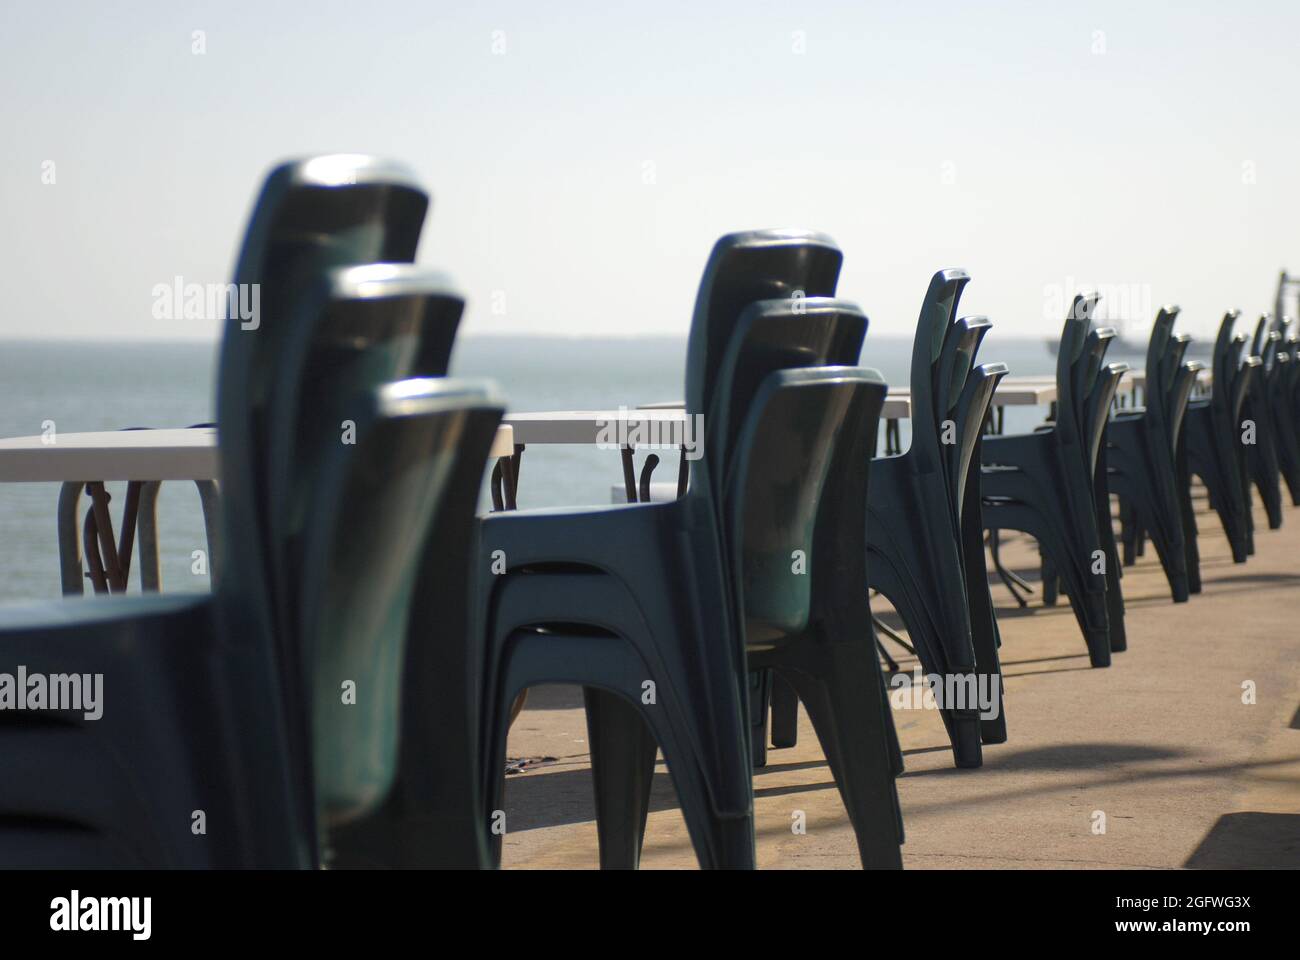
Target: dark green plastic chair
point(1098, 410)
point(351, 330)
point(1174, 381)
point(566, 567)
point(420, 452)
point(775, 335)
point(970, 416)
point(356, 328)
point(770, 336)
point(195, 730)
point(1142, 459)
point(813, 628)
point(1043, 483)
point(433, 815)
point(917, 554)
point(312, 215)
point(1213, 429)
point(165, 759)
point(1282, 393)
point(1289, 393)
point(1264, 457)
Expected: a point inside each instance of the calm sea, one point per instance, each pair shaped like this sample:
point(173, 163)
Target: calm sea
point(109, 386)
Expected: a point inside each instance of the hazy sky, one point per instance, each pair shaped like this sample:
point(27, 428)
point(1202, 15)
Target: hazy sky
point(585, 168)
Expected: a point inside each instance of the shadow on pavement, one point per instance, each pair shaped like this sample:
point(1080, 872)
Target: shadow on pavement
point(1250, 841)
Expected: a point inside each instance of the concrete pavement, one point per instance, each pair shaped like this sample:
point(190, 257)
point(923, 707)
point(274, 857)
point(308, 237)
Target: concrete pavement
point(1160, 745)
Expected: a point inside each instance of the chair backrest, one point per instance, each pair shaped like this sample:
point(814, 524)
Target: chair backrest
point(1074, 359)
point(1259, 343)
point(1171, 370)
point(1157, 349)
point(373, 505)
point(744, 268)
point(839, 544)
point(968, 418)
point(311, 215)
point(775, 335)
point(786, 449)
point(1228, 350)
point(1180, 394)
point(354, 329)
point(928, 395)
point(961, 344)
point(1091, 362)
point(1270, 344)
point(1098, 408)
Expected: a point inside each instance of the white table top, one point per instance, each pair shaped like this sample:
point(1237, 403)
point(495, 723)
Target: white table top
point(898, 406)
point(184, 454)
point(659, 425)
point(1139, 377)
point(1033, 391)
point(668, 424)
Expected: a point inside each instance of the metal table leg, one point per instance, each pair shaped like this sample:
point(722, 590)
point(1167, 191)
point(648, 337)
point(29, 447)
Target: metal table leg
point(147, 524)
point(210, 500)
point(629, 474)
point(71, 574)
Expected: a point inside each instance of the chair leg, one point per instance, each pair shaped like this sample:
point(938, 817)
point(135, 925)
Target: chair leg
point(1188, 514)
point(842, 704)
point(985, 637)
point(895, 747)
point(967, 736)
point(760, 699)
point(1128, 531)
point(494, 787)
point(785, 713)
point(1050, 579)
point(1114, 593)
point(622, 770)
point(721, 841)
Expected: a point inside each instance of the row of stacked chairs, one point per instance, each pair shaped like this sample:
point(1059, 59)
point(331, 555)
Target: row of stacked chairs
point(344, 695)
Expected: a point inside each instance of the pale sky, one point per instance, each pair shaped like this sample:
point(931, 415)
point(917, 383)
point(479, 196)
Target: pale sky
point(585, 165)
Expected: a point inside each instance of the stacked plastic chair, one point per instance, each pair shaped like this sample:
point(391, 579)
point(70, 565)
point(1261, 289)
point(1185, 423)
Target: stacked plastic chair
point(1286, 400)
point(649, 606)
point(1044, 483)
point(355, 328)
point(924, 549)
point(1143, 458)
point(1281, 386)
point(1262, 462)
point(199, 758)
point(773, 336)
point(1214, 433)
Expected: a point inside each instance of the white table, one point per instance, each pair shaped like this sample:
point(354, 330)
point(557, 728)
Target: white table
point(143, 458)
point(898, 406)
point(666, 425)
point(1033, 391)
